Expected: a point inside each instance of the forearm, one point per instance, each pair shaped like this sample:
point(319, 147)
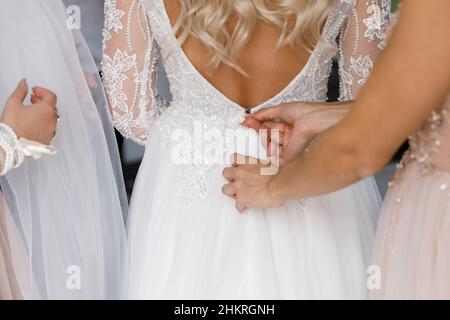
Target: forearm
point(10, 157)
point(328, 106)
point(389, 108)
point(2, 159)
point(310, 125)
point(330, 165)
point(325, 116)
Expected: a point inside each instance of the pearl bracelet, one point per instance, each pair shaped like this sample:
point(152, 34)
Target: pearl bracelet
point(8, 155)
point(17, 149)
point(9, 142)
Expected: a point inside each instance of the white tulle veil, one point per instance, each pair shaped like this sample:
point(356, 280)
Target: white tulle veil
point(69, 209)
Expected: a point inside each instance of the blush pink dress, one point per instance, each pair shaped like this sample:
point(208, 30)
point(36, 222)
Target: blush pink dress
point(9, 288)
point(16, 280)
point(412, 247)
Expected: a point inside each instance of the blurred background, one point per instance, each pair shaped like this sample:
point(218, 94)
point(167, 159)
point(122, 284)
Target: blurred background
point(92, 19)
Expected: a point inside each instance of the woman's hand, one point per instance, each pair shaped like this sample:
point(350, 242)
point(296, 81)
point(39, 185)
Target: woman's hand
point(298, 124)
point(35, 122)
point(249, 184)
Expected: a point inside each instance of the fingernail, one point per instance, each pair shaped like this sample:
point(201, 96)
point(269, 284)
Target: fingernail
point(23, 83)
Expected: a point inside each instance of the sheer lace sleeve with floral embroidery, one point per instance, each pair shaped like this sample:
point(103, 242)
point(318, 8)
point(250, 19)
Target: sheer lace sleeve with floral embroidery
point(130, 55)
point(361, 40)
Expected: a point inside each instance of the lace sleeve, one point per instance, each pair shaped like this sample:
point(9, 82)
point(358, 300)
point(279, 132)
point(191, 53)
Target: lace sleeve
point(130, 55)
point(361, 40)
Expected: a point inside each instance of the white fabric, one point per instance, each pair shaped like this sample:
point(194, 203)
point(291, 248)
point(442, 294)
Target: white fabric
point(186, 239)
point(22, 148)
point(33, 149)
point(69, 208)
point(92, 16)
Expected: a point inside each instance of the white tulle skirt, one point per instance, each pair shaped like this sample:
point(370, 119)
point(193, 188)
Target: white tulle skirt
point(316, 250)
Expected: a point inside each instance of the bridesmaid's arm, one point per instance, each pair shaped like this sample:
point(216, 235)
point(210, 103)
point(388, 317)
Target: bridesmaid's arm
point(361, 40)
point(298, 123)
point(410, 80)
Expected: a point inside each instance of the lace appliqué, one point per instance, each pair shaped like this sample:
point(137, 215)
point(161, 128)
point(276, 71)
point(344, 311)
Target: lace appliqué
point(356, 68)
point(112, 19)
point(130, 75)
point(193, 182)
point(114, 75)
point(378, 23)
point(362, 67)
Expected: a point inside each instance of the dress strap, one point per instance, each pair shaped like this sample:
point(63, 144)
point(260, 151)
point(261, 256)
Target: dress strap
point(160, 23)
point(336, 19)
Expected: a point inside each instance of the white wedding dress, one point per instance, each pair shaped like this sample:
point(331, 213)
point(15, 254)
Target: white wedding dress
point(186, 239)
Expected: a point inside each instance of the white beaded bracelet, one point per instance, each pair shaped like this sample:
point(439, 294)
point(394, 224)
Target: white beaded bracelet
point(16, 150)
point(10, 136)
point(6, 143)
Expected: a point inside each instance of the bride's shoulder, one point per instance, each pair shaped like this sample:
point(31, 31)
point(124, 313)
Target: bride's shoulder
point(154, 4)
point(341, 9)
point(339, 12)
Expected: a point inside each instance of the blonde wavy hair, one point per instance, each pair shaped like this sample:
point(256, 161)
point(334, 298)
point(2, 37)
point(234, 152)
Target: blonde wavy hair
point(300, 22)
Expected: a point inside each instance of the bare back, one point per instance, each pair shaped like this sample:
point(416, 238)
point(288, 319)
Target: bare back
point(270, 69)
point(138, 34)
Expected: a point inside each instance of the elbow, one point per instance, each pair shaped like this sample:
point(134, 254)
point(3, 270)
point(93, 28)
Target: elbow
point(369, 165)
point(360, 162)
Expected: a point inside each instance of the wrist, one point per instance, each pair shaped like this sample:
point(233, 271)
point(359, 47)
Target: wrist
point(11, 123)
point(276, 191)
point(8, 144)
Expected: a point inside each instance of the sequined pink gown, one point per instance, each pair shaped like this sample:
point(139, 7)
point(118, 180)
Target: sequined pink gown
point(413, 238)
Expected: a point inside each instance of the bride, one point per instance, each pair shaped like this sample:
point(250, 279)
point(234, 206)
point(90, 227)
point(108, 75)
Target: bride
point(225, 59)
